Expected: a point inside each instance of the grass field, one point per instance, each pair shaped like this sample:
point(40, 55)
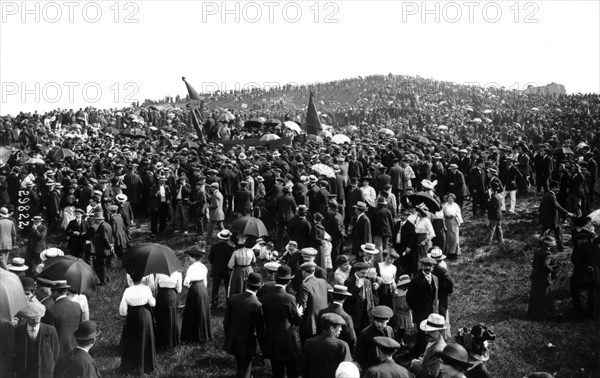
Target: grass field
point(492, 287)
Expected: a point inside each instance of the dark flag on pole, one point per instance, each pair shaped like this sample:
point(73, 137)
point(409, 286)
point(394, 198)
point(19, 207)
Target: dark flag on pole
point(313, 124)
point(195, 106)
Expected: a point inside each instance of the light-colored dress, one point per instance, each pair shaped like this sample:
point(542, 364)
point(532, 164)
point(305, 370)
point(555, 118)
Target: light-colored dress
point(453, 219)
point(424, 232)
point(387, 272)
point(83, 303)
point(241, 262)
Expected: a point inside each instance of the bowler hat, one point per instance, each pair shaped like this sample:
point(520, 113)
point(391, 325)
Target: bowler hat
point(28, 283)
point(455, 355)
point(284, 272)
point(87, 330)
point(254, 279)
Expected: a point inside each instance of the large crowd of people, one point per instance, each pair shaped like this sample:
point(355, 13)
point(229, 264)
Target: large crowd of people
point(359, 231)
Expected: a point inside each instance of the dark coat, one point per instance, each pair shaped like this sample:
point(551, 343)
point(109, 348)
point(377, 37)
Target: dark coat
point(120, 237)
point(76, 364)
point(313, 297)
point(155, 196)
point(421, 297)
point(382, 222)
point(218, 257)
point(126, 212)
point(76, 243)
point(47, 352)
point(387, 369)
point(67, 316)
point(359, 306)
point(347, 334)
point(299, 231)
point(243, 325)
point(365, 353)
point(134, 187)
point(494, 208)
point(280, 315)
point(242, 201)
point(36, 242)
point(361, 234)
point(477, 180)
point(103, 239)
point(322, 355)
point(550, 210)
point(285, 208)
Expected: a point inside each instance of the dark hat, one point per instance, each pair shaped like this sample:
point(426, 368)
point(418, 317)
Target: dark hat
point(382, 312)
point(455, 355)
point(98, 215)
point(302, 209)
point(254, 279)
point(284, 272)
point(331, 318)
point(577, 222)
point(87, 330)
point(360, 265)
point(333, 204)
point(195, 252)
point(386, 342)
point(28, 283)
point(340, 290)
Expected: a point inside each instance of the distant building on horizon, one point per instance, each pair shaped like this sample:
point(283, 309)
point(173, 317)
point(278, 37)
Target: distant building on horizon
point(551, 89)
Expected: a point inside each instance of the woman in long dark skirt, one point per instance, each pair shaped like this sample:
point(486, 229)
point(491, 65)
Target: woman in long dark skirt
point(195, 326)
point(241, 263)
point(138, 353)
point(165, 313)
point(541, 300)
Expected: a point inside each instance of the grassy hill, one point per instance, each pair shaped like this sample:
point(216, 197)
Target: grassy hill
point(492, 287)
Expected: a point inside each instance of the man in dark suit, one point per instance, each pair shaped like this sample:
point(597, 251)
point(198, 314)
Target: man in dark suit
point(160, 195)
point(66, 314)
point(455, 183)
point(281, 314)
point(312, 296)
point(78, 362)
point(365, 353)
point(354, 196)
point(244, 325)
point(77, 230)
point(339, 294)
point(422, 298)
point(322, 354)
point(103, 241)
point(180, 200)
point(387, 368)
point(285, 210)
point(242, 200)
point(477, 187)
point(334, 225)
point(382, 224)
point(36, 344)
point(271, 268)
point(229, 185)
point(360, 304)
point(405, 243)
point(218, 257)
point(299, 228)
point(550, 212)
point(44, 295)
point(361, 231)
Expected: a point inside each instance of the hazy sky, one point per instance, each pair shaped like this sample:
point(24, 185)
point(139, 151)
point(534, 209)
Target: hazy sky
point(104, 53)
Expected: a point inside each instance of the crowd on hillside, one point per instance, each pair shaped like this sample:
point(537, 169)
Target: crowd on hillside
point(360, 230)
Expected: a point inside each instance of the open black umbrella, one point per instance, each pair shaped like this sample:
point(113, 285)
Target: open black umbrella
point(419, 139)
point(273, 122)
point(75, 271)
point(61, 153)
point(422, 197)
point(249, 226)
point(253, 123)
point(149, 258)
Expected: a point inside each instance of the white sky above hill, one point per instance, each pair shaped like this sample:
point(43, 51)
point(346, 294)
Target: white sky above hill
point(105, 59)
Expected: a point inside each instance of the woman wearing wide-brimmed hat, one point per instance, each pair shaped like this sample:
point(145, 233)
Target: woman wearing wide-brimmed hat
point(541, 301)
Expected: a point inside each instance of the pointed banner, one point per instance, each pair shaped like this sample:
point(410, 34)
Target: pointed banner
point(195, 106)
point(313, 124)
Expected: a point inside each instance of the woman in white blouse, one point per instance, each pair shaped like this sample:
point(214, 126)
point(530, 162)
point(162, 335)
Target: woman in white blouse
point(167, 330)
point(195, 326)
point(387, 273)
point(241, 262)
point(423, 230)
point(138, 353)
point(453, 219)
